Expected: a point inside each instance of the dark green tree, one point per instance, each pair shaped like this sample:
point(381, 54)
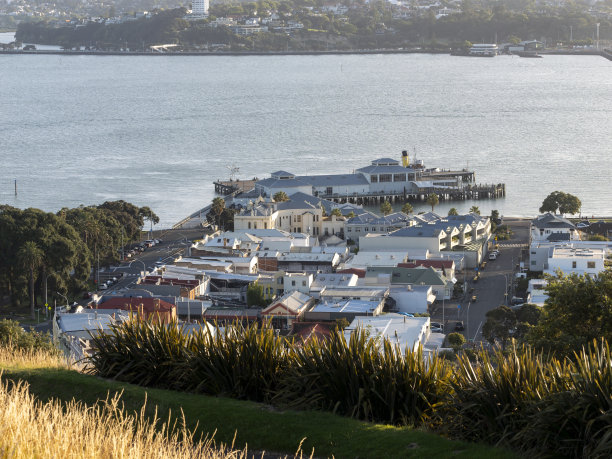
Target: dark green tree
point(561, 202)
point(407, 208)
point(577, 311)
point(386, 208)
point(280, 196)
point(452, 211)
point(500, 325)
point(255, 295)
point(30, 258)
point(456, 341)
point(433, 200)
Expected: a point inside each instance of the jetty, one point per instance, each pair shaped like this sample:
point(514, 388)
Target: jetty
point(385, 179)
point(231, 186)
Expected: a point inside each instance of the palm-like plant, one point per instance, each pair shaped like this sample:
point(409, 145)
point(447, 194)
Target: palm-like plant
point(30, 258)
point(433, 200)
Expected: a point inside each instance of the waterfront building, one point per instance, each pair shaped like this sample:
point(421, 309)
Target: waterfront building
point(540, 252)
point(442, 287)
point(383, 178)
point(553, 228)
point(370, 223)
point(570, 260)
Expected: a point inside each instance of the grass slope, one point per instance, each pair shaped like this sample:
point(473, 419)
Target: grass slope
point(258, 426)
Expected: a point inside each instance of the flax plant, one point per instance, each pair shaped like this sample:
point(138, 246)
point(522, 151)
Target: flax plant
point(238, 361)
point(365, 379)
point(141, 352)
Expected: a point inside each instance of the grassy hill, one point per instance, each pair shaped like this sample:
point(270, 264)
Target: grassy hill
point(258, 426)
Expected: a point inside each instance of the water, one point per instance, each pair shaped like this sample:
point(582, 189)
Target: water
point(157, 131)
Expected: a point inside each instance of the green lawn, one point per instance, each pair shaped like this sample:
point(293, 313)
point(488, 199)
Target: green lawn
point(259, 426)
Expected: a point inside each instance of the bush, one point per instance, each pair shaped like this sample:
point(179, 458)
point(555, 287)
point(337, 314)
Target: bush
point(364, 379)
point(240, 362)
point(13, 336)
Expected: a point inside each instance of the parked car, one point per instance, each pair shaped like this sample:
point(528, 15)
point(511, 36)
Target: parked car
point(582, 225)
point(459, 326)
point(492, 256)
point(517, 300)
point(103, 287)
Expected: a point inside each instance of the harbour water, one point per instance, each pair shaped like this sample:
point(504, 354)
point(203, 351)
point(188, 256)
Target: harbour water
point(85, 129)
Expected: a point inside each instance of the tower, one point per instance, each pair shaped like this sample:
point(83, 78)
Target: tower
point(200, 8)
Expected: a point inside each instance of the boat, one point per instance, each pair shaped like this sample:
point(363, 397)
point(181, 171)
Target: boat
point(484, 50)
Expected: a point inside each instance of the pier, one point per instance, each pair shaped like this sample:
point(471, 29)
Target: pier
point(469, 192)
point(230, 186)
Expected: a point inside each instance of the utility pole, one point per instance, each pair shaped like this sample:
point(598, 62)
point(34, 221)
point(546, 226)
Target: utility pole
point(571, 34)
point(598, 36)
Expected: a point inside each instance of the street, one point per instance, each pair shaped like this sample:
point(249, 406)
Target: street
point(496, 280)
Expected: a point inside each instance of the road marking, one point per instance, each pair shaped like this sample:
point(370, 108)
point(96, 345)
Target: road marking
point(513, 245)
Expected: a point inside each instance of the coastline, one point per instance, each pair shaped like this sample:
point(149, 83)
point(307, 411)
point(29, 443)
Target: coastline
point(603, 53)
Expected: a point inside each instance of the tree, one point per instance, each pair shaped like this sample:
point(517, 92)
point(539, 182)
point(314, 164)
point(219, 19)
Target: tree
point(351, 214)
point(500, 325)
point(255, 295)
point(456, 341)
point(433, 200)
point(147, 214)
point(597, 237)
point(280, 196)
point(218, 205)
point(494, 215)
point(474, 210)
point(527, 317)
point(386, 208)
point(452, 211)
point(577, 311)
point(407, 208)
point(30, 258)
point(336, 212)
point(564, 203)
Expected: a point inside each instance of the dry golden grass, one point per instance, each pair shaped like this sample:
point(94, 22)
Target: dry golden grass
point(19, 358)
point(30, 428)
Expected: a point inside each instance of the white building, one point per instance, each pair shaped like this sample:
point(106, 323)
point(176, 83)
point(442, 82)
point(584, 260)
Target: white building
point(575, 260)
point(406, 332)
point(553, 228)
point(199, 8)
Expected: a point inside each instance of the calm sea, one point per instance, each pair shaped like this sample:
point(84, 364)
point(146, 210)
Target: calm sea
point(157, 131)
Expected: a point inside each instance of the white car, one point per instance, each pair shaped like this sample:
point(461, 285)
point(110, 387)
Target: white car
point(492, 256)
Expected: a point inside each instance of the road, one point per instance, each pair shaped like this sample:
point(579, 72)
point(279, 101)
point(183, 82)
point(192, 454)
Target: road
point(496, 279)
point(174, 243)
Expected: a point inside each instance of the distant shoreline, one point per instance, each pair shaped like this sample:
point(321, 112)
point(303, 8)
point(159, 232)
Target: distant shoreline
point(602, 53)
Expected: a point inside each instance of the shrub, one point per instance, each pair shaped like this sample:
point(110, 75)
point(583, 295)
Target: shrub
point(240, 362)
point(142, 352)
point(364, 379)
point(13, 336)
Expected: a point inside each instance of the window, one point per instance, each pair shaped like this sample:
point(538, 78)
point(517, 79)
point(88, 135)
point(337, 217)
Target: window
point(249, 225)
point(533, 253)
point(366, 229)
point(591, 264)
point(385, 177)
point(304, 283)
point(399, 177)
point(373, 178)
point(293, 283)
point(299, 219)
point(573, 264)
point(265, 226)
point(358, 230)
point(348, 229)
point(329, 190)
point(533, 262)
point(279, 281)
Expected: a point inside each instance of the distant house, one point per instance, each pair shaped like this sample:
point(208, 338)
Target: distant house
point(442, 287)
point(147, 308)
point(287, 309)
point(407, 333)
point(344, 309)
point(553, 228)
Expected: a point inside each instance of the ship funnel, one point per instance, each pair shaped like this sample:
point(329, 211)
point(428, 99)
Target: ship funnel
point(405, 159)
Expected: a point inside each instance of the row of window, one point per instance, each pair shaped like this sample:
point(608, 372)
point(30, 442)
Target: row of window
point(255, 225)
point(387, 178)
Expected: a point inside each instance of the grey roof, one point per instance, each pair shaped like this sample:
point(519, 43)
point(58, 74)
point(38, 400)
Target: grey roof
point(282, 174)
point(333, 180)
point(385, 161)
point(551, 221)
point(301, 200)
point(373, 219)
point(348, 306)
point(418, 231)
point(418, 276)
point(427, 217)
point(385, 170)
point(277, 183)
point(558, 237)
point(468, 219)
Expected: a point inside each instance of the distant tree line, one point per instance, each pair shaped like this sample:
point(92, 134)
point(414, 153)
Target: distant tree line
point(41, 249)
point(371, 26)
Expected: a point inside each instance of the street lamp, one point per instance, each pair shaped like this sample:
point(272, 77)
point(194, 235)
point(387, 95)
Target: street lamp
point(144, 267)
point(46, 301)
point(64, 297)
